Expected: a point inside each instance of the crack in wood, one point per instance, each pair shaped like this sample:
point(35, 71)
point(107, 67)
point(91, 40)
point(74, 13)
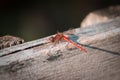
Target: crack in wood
point(23, 49)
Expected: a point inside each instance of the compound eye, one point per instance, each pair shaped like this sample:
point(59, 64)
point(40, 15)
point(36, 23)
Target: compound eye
point(51, 39)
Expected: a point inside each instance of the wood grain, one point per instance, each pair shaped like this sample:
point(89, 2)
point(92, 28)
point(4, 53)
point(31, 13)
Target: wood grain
point(64, 61)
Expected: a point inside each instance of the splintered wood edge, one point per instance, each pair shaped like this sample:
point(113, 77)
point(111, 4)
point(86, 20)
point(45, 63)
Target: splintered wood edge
point(23, 46)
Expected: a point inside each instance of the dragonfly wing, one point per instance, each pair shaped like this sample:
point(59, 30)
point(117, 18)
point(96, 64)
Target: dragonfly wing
point(75, 44)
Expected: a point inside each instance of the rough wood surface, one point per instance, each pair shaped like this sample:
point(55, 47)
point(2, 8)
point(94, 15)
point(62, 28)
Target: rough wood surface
point(40, 60)
point(8, 41)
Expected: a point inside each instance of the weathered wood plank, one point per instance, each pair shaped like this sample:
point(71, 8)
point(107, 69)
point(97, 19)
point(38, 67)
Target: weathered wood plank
point(45, 62)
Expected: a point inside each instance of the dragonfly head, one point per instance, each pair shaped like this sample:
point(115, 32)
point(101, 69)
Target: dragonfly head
point(51, 39)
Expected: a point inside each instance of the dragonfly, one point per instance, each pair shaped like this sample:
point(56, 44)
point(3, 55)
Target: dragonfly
point(61, 37)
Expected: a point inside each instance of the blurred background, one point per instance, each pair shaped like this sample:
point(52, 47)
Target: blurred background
point(33, 19)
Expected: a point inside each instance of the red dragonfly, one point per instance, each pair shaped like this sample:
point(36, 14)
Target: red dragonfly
point(59, 37)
